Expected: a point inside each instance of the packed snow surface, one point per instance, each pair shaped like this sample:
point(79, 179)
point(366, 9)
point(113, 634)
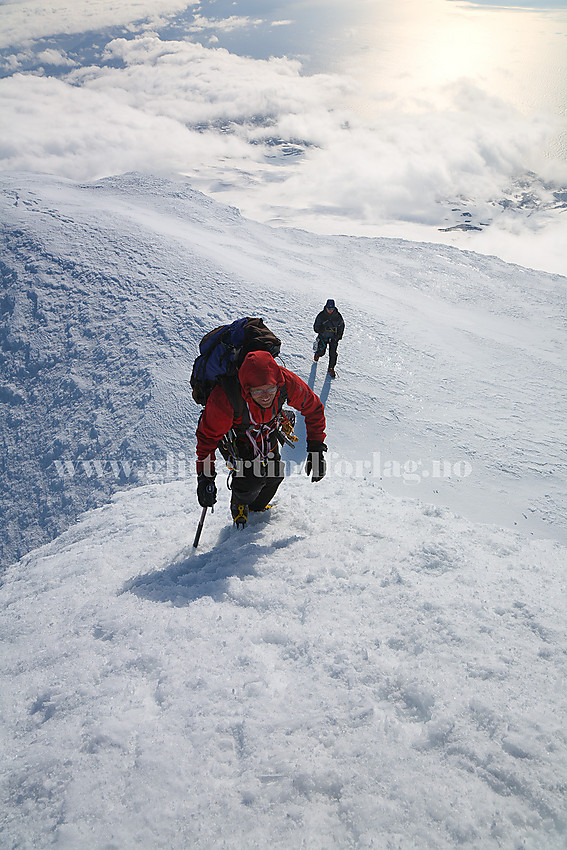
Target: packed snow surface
point(379, 660)
point(350, 671)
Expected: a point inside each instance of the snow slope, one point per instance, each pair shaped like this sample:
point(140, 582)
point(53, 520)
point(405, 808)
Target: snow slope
point(371, 664)
point(453, 363)
point(351, 671)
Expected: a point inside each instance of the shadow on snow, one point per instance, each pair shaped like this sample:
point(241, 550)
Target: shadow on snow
point(194, 575)
point(324, 394)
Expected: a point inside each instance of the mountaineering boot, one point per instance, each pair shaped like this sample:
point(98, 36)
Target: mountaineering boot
point(239, 514)
point(331, 372)
point(316, 358)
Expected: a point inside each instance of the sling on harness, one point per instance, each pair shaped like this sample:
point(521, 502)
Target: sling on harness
point(257, 434)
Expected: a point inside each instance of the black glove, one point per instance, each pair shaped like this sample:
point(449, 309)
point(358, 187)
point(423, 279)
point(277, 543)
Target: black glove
point(316, 462)
point(206, 490)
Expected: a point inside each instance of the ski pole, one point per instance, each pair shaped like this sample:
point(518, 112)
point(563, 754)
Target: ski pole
point(200, 527)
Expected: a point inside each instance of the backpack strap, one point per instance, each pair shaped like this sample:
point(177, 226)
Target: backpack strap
point(233, 392)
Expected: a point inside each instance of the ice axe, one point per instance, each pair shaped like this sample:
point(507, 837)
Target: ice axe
point(200, 527)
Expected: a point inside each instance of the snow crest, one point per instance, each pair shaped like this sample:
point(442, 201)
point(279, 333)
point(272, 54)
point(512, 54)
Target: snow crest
point(452, 380)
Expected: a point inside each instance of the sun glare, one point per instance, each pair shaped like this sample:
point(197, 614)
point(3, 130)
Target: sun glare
point(413, 53)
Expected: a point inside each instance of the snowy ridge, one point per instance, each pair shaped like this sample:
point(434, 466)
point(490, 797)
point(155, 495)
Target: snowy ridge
point(352, 670)
point(107, 288)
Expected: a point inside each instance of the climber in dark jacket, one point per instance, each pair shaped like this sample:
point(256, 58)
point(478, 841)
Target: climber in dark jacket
point(329, 327)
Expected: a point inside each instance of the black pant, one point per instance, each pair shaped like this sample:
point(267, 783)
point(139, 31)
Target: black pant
point(322, 347)
point(255, 484)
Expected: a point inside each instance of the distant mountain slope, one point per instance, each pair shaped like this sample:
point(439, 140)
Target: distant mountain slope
point(106, 288)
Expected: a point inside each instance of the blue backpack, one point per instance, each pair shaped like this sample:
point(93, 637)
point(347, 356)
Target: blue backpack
point(223, 350)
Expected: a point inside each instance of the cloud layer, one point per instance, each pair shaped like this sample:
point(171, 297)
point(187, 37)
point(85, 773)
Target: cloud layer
point(284, 147)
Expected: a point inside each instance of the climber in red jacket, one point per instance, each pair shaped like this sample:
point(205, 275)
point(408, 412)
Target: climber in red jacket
point(245, 413)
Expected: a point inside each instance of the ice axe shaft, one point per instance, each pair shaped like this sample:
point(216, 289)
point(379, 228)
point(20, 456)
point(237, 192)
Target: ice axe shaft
point(200, 527)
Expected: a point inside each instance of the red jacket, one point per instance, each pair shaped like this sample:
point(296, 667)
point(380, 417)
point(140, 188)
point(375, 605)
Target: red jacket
point(259, 369)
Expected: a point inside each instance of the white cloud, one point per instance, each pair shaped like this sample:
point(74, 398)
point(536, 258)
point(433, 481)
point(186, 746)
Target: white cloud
point(77, 133)
point(194, 84)
point(234, 22)
point(55, 57)
point(21, 21)
point(103, 121)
